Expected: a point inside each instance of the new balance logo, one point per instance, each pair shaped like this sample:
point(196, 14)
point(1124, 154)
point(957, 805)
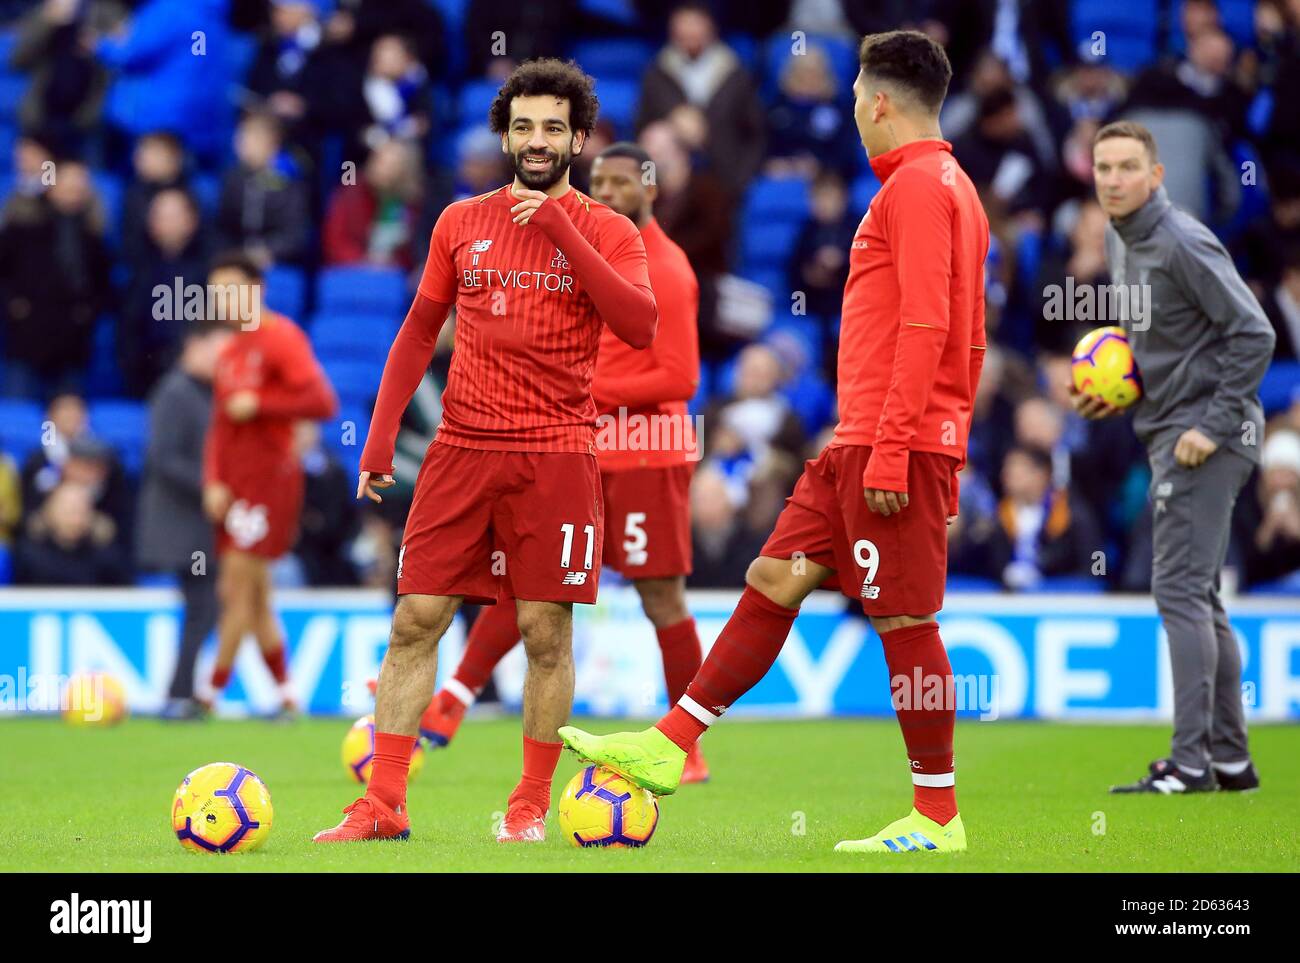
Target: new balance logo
point(574, 578)
point(871, 591)
point(479, 247)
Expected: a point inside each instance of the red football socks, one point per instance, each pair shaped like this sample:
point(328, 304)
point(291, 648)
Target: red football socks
point(220, 678)
point(392, 762)
point(680, 646)
point(493, 634)
point(747, 647)
point(918, 669)
point(540, 760)
point(275, 661)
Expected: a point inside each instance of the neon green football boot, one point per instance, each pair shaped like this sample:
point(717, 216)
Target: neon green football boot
point(912, 833)
point(648, 758)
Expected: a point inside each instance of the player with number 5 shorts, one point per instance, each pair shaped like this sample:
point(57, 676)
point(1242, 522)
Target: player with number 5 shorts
point(869, 516)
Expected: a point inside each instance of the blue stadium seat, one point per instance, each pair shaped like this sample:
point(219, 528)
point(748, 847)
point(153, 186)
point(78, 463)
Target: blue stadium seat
point(784, 198)
point(355, 382)
point(12, 89)
point(1129, 29)
point(613, 11)
point(6, 565)
point(206, 189)
point(286, 291)
point(812, 400)
point(20, 427)
point(704, 392)
point(8, 40)
point(103, 377)
point(862, 190)
point(110, 190)
point(370, 335)
point(613, 58)
point(774, 278)
point(125, 426)
point(346, 434)
point(618, 103)
point(1280, 387)
point(767, 243)
point(746, 48)
point(157, 580)
point(368, 290)
point(475, 98)
point(1236, 16)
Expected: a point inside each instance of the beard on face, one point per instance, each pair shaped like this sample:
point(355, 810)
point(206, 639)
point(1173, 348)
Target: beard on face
point(540, 180)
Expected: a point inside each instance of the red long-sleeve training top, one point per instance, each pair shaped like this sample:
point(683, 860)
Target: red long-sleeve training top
point(912, 332)
point(658, 381)
point(529, 301)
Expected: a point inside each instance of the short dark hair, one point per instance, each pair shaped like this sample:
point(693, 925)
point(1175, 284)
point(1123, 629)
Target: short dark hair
point(1038, 457)
point(625, 148)
point(910, 60)
point(239, 261)
point(548, 75)
point(1129, 128)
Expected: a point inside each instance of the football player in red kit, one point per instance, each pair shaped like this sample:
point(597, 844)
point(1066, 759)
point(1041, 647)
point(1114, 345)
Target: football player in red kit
point(267, 378)
point(646, 487)
point(869, 515)
point(508, 500)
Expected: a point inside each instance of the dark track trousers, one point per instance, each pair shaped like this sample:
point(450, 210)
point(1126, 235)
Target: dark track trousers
point(1192, 514)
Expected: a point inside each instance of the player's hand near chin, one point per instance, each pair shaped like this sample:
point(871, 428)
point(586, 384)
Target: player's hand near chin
point(368, 482)
point(1090, 406)
point(528, 204)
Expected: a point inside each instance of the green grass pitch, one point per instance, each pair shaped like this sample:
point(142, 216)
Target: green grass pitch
point(1033, 797)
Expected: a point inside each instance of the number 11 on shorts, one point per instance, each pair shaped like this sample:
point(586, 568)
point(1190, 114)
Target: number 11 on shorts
point(590, 532)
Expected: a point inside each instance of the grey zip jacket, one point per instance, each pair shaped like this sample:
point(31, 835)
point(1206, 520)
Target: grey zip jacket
point(1202, 343)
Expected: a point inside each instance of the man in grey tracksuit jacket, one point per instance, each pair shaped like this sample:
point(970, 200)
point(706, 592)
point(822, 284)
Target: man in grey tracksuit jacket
point(1202, 344)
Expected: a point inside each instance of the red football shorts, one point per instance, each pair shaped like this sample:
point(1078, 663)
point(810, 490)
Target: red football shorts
point(263, 516)
point(488, 523)
point(648, 521)
point(894, 565)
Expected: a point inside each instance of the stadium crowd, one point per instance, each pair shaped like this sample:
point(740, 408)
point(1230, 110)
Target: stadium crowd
point(323, 137)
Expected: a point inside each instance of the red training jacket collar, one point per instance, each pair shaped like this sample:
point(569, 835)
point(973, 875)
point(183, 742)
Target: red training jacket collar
point(891, 160)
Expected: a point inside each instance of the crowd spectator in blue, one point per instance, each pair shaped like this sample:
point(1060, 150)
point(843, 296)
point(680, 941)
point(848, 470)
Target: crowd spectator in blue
point(819, 263)
point(166, 61)
point(296, 75)
point(810, 127)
